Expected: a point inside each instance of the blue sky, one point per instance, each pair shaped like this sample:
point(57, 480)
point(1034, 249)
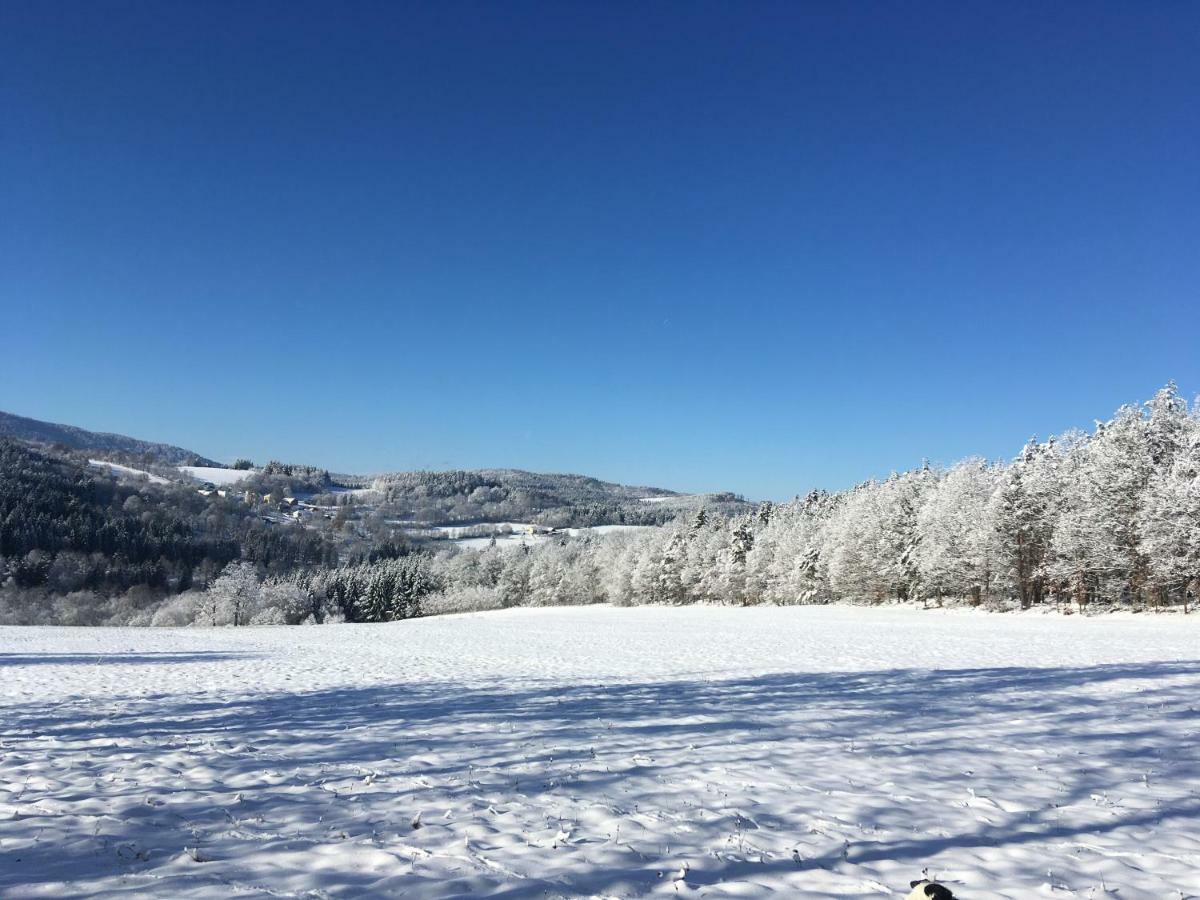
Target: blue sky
point(757, 247)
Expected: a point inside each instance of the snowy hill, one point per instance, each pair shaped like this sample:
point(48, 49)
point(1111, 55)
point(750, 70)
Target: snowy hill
point(116, 469)
point(218, 475)
point(25, 429)
point(431, 498)
point(555, 500)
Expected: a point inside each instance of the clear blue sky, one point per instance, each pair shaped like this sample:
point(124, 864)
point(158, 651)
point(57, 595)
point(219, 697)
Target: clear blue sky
point(748, 246)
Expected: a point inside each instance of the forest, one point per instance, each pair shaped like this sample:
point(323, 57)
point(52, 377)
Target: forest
point(1084, 521)
point(553, 500)
point(80, 548)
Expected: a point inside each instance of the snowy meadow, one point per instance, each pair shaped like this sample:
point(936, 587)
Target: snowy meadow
point(602, 752)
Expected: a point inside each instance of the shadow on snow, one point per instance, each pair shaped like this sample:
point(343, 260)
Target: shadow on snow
point(1098, 726)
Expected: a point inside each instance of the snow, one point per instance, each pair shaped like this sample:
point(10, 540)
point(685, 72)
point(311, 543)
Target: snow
point(116, 469)
point(458, 531)
point(479, 535)
point(509, 535)
point(656, 499)
point(607, 529)
point(524, 538)
point(503, 541)
point(354, 492)
point(575, 752)
point(214, 475)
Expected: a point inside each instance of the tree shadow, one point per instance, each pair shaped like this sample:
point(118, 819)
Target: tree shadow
point(284, 768)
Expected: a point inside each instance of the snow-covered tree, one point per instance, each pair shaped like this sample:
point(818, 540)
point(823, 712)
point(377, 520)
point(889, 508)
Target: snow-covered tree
point(233, 598)
point(1095, 540)
point(1023, 511)
point(1169, 524)
point(958, 546)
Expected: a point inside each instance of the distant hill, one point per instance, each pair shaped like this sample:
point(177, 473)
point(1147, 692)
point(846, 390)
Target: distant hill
point(578, 488)
point(427, 498)
point(24, 429)
point(500, 495)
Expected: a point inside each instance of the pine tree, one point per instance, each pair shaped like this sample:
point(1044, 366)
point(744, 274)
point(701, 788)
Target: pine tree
point(670, 574)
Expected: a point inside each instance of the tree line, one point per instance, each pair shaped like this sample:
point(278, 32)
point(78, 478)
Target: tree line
point(1108, 519)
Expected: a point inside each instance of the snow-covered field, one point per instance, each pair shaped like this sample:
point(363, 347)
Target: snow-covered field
point(116, 469)
point(457, 531)
point(214, 475)
point(709, 752)
point(356, 492)
point(517, 538)
point(606, 529)
point(502, 540)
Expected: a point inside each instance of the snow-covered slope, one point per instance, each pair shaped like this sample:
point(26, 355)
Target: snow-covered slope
point(503, 541)
point(708, 752)
point(215, 475)
point(516, 539)
point(607, 529)
point(115, 469)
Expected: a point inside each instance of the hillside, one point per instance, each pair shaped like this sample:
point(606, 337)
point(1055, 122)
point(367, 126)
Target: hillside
point(68, 527)
point(453, 497)
point(101, 528)
point(35, 430)
point(558, 500)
